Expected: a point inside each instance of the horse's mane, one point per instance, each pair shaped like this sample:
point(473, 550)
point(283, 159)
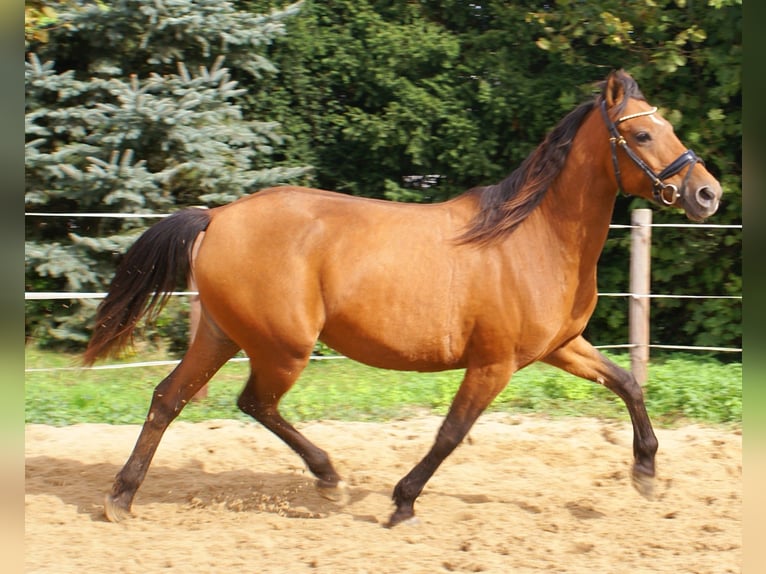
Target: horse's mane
point(503, 206)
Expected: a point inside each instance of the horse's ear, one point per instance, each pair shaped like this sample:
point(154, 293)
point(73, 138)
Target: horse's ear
point(615, 88)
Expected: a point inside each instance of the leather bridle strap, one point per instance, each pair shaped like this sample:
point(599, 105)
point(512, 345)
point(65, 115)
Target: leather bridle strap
point(665, 193)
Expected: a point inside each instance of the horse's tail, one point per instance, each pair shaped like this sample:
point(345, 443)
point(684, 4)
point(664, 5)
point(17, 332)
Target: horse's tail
point(154, 265)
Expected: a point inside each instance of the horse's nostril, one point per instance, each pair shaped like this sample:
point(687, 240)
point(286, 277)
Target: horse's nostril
point(705, 196)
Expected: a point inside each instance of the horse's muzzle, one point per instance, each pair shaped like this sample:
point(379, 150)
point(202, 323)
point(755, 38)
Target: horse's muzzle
point(703, 202)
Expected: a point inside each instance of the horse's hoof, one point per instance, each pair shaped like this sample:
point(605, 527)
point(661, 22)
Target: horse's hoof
point(406, 518)
point(113, 511)
point(644, 484)
point(338, 493)
point(411, 521)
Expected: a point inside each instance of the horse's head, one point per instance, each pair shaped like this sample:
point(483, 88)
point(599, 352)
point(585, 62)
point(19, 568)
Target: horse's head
point(648, 159)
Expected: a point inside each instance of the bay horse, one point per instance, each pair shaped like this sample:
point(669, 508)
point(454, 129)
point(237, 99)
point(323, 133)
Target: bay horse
point(489, 282)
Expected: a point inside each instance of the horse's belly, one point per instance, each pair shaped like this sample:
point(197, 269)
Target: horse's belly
point(411, 343)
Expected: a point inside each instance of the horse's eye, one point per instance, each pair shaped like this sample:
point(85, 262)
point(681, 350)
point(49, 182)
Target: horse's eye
point(643, 137)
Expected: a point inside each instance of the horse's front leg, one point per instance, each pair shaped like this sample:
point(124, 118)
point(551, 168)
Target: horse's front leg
point(579, 358)
point(479, 388)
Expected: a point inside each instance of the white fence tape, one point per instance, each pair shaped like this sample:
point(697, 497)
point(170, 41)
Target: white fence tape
point(113, 215)
point(160, 215)
point(43, 295)
point(156, 364)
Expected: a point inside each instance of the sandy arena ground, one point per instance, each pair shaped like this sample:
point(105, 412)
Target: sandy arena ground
point(523, 494)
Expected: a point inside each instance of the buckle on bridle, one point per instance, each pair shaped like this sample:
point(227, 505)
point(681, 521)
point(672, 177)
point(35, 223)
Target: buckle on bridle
point(666, 193)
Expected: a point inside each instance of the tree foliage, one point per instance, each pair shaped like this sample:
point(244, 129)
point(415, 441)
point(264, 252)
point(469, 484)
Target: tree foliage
point(420, 101)
point(131, 110)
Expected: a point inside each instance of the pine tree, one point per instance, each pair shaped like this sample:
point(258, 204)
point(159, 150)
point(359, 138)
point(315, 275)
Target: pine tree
point(129, 109)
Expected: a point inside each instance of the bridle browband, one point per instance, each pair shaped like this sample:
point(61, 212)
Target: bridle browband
point(665, 193)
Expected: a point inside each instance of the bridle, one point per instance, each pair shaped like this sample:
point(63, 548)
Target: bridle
point(664, 193)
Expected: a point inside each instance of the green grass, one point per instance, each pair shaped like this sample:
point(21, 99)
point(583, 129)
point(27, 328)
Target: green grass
point(681, 389)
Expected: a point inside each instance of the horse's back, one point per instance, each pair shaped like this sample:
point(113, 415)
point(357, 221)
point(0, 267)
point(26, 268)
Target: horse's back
point(326, 225)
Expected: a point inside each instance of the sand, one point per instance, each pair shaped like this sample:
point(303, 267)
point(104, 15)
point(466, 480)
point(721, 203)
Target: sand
point(522, 494)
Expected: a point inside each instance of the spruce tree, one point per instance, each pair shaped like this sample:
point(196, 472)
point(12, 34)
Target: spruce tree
point(134, 107)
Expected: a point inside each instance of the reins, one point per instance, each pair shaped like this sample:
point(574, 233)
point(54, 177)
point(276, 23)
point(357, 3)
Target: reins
point(665, 193)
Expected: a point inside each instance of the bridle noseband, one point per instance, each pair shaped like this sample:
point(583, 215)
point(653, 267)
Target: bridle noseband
point(664, 193)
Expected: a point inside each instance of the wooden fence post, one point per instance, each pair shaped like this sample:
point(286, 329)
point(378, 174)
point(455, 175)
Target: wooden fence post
point(640, 279)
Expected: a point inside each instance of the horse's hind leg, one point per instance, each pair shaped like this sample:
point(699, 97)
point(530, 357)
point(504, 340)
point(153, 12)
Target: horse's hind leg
point(208, 352)
point(581, 359)
point(260, 399)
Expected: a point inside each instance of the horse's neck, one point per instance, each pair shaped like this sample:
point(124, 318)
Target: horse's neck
point(578, 207)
